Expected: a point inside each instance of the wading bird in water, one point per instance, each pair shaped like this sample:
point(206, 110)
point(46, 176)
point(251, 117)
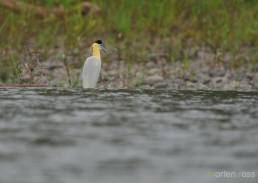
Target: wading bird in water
point(92, 65)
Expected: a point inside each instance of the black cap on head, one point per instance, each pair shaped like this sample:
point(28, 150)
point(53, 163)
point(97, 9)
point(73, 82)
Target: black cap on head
point(99, 41)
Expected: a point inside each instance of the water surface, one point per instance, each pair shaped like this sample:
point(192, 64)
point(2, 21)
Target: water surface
point(95, 136)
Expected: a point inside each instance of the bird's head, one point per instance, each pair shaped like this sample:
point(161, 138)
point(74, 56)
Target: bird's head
point(98, 45)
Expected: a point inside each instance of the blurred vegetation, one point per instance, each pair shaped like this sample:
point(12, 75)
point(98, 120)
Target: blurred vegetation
point(134, 24)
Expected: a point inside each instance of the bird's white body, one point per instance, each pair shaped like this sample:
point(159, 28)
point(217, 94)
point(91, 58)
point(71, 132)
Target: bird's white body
point(91, 72)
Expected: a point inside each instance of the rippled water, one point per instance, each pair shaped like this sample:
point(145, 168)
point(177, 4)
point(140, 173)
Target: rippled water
point(76, 136)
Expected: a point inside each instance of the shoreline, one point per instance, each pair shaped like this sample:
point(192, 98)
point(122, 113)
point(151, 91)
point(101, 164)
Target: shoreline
point(150, 76)
point(200, 69)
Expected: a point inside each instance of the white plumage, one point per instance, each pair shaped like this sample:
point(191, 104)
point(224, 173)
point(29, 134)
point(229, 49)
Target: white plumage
point(91, 72)
point(92, 65)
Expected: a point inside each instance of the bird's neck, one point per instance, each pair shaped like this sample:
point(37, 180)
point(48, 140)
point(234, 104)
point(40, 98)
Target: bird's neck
point(96, 52)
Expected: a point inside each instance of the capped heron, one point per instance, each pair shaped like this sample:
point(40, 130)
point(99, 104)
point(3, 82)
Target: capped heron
point(92, 65)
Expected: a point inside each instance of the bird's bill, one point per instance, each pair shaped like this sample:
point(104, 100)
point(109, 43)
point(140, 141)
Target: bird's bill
point(103, 48)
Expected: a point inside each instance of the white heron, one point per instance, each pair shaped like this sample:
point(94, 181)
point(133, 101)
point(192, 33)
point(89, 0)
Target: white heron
point(92, 65)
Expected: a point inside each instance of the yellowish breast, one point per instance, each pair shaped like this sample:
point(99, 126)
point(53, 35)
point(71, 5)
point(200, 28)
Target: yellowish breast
point(95, 50)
